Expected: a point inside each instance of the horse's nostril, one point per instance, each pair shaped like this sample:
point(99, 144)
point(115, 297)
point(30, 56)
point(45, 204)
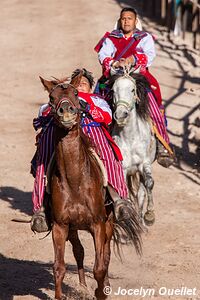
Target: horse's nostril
point(71, 109)
point(61, 110)
point(115, 116)
point(125, 114)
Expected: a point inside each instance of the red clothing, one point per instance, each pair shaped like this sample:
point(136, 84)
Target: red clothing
point(107, 149)
point(99, 109)
point(101, 113)
point(141, 61)
point(121, 43)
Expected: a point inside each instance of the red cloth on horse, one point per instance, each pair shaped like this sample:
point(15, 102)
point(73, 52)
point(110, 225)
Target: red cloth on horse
point(156, 87)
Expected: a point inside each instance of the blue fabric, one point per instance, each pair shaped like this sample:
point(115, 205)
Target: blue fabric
point(89, 125)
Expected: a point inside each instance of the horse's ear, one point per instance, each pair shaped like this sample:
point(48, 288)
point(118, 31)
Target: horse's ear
point(76, 80)
point(48, 84)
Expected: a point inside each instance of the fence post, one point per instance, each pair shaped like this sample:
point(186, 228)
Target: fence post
point(163, 11)
point(144, 5)
point(185, 17)
point(153, 7)
point(169, 14)
point(195, 22)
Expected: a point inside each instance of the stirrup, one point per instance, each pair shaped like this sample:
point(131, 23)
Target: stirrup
point(39, 222)
point(164, 158)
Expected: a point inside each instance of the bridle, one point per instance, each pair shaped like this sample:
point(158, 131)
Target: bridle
point(123, 102)
point(63, 100)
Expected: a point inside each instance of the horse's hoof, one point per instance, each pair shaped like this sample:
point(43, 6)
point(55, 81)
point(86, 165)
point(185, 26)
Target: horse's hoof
point(149, 218)
point(63, 297)
point(100, 295)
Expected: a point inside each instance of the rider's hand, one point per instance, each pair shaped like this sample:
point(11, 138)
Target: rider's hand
point(130, 60)
point(115, 64)
point(122, 62)
point(85, 107)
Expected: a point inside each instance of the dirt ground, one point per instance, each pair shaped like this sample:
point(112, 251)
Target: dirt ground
point(51, 38)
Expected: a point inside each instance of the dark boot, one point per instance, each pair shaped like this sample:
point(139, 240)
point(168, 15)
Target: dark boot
point(121, 206)
point(164, 158)
point(39, 222)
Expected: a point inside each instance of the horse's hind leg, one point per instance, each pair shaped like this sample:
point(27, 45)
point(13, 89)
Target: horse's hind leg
point(99, 235)
point(78, 252)
point(149, 216)
point(60, 234)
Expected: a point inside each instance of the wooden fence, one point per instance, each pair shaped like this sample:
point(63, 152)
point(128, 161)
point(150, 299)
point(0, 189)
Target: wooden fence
point(177, 15)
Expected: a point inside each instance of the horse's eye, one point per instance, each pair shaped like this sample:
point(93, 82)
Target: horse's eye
point(75, 92)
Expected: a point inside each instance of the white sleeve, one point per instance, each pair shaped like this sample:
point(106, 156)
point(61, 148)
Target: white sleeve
point(42, 108)
point(147, 46)
point(107, 50)
point(101, 103)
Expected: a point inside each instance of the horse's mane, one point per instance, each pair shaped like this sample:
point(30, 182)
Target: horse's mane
point(142, 107)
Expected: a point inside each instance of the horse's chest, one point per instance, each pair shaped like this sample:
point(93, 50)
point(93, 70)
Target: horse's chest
point(132, 152)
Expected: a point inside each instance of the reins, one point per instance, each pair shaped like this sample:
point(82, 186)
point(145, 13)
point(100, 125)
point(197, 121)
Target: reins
point(123, 102)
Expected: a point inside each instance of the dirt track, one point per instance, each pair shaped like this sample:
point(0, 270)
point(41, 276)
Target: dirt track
point(51, 38)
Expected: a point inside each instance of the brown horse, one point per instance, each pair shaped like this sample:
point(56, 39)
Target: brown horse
point(77, 191)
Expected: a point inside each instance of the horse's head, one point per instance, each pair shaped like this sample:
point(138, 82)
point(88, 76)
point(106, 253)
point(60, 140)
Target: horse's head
point(64, 102)
point(124, 98)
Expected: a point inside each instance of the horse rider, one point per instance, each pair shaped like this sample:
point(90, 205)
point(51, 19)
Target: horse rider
point(129, 45)
point(94, 124)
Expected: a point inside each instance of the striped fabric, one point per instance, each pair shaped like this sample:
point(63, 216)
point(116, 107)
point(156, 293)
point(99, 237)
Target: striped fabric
point(45, 150)
point(112, 165)
point(104, 150)
point(157, 117)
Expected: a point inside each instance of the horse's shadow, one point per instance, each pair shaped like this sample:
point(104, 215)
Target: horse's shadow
point(29, 278)
point(17, 199)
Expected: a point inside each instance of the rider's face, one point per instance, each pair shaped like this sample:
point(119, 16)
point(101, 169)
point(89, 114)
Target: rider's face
point(128, 21)
point(84, 85)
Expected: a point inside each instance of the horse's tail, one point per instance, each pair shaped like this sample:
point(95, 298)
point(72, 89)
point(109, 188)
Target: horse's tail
point(127, 228)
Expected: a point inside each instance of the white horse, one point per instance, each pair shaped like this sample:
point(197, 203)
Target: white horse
point(133, 134)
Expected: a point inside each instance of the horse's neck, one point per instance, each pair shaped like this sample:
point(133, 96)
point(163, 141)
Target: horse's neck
point(132, 126)
point(70, 156)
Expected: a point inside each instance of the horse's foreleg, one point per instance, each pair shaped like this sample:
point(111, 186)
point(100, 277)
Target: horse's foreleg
point(109, 233)
point(78, 252)
point(59, 234)
point(149, 216)
point(99, 235)
point(141, 198)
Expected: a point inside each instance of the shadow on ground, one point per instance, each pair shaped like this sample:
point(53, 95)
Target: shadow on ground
point(22, 278)
point(17, 199)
